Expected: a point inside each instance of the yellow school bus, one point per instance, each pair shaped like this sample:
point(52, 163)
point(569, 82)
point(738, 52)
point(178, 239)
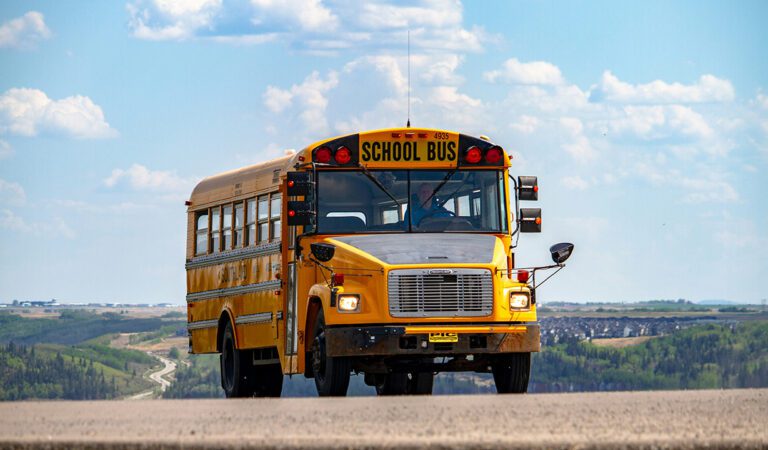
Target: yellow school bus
point(388, 253)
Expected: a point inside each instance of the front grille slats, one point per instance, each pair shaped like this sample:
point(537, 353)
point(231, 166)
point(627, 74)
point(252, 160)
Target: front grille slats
point(417, 293)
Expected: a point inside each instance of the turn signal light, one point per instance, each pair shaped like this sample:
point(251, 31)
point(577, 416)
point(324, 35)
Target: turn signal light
point(343, 155)
point(473, 155)
point(323, 155)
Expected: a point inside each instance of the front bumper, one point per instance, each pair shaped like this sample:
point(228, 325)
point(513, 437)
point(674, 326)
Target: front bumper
point(414, 340)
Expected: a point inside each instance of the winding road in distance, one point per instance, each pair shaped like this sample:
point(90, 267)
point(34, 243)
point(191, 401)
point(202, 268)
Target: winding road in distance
point(629, 420)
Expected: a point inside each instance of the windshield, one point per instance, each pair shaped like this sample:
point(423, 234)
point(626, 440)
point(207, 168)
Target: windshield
point(411, 201)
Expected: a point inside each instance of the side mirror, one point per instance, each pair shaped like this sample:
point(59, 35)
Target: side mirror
point(528, 188)
point(530, 220)
point(323, 252)
point(299, 183)
point(561, 252)
point(300, 213)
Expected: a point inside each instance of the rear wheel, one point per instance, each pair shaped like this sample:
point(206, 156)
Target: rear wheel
point(234, 379)
point(331, 374)
point(407, 383)
point(511, 373)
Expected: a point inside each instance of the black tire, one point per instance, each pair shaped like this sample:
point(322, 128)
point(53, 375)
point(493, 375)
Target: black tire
point(267, 381)
point(234, 379)
point(511, 373)
point(331, 374)
point(414, 383)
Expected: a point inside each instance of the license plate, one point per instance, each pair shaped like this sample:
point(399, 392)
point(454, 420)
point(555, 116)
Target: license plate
point(443, 337)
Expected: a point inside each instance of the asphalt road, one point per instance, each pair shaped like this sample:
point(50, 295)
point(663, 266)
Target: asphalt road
point(675, 419)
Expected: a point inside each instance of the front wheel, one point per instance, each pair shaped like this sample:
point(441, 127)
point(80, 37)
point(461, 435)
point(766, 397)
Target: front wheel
point(331, 374)
point(511, 373)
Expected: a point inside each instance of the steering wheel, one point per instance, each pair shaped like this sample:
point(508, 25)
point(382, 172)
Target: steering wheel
point(438, 213)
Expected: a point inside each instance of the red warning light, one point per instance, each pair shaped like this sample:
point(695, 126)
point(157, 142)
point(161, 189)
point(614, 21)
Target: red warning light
point(343, 155)
point(493, 155)
point(323, 155)
point(522, 276)
point(473, 155)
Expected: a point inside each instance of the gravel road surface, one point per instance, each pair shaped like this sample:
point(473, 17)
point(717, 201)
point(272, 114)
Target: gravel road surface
point(674, 419)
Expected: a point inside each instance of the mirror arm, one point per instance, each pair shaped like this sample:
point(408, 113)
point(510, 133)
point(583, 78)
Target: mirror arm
point(559, 268)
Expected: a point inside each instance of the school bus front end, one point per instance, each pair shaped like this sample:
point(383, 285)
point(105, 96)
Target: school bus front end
point(405, 235)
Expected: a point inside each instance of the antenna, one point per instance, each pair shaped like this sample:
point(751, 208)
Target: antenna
point(408, 124)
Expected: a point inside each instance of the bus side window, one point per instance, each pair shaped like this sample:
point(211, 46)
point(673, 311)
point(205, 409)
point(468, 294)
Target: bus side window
point(226, 229)
point(250, 223)
point(263, 219)
point(238, 224)
point(274, 216)
point(389, 216)
point(201, 241)
point(215, 228)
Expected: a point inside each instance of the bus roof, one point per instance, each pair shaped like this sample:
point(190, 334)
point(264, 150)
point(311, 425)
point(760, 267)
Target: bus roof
point(245, 181)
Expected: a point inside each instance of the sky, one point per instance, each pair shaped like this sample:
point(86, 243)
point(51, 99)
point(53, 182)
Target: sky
point(645, 121)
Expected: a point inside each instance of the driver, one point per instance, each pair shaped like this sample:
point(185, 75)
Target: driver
point(426, 205)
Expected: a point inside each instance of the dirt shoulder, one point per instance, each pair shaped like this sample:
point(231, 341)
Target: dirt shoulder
point(673, 419)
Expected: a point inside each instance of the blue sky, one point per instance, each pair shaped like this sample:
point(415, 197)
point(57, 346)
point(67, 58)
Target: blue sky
point(646, 122)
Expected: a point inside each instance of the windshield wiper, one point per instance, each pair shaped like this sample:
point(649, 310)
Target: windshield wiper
point(379, 185)
point(440, 186)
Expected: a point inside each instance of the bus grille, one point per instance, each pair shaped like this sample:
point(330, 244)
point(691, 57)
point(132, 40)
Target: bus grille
point(440, 292)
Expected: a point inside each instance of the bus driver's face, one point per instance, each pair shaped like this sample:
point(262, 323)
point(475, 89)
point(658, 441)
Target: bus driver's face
point(424, 193)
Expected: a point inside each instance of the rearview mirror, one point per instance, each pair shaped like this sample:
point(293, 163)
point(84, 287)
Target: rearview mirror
point(323, 252)
point(528, 188)
point(530, 220)
point(561, 252)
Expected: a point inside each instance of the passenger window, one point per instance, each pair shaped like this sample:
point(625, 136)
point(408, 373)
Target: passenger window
point(389, 216)
point(238, 224)
point(263, 219)
point(215, 228)
point(226, 230)
point(201, 241)
point(463, 206)
point(251, 221)
point(274, 216)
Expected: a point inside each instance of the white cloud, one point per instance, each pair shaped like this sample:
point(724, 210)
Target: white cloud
point(379, 15)
point(171, 19)
point(535, 72)
point(707, 89)
point(762, 100)
point(57, 228)
point(307, 15)
point(141, 178)
point(525, 124)
point(11, 193)
point(660, 122)
point(24, 32)
point(5, 149)
point(575, 142)
point(28, 112)
point(309, 97)
point(314, 26)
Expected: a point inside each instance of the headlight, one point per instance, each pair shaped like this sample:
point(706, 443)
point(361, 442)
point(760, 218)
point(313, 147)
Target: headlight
point(348, 303)
point(519, 300)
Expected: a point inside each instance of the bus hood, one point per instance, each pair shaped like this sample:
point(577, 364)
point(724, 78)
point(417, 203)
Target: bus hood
point(425, 248)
